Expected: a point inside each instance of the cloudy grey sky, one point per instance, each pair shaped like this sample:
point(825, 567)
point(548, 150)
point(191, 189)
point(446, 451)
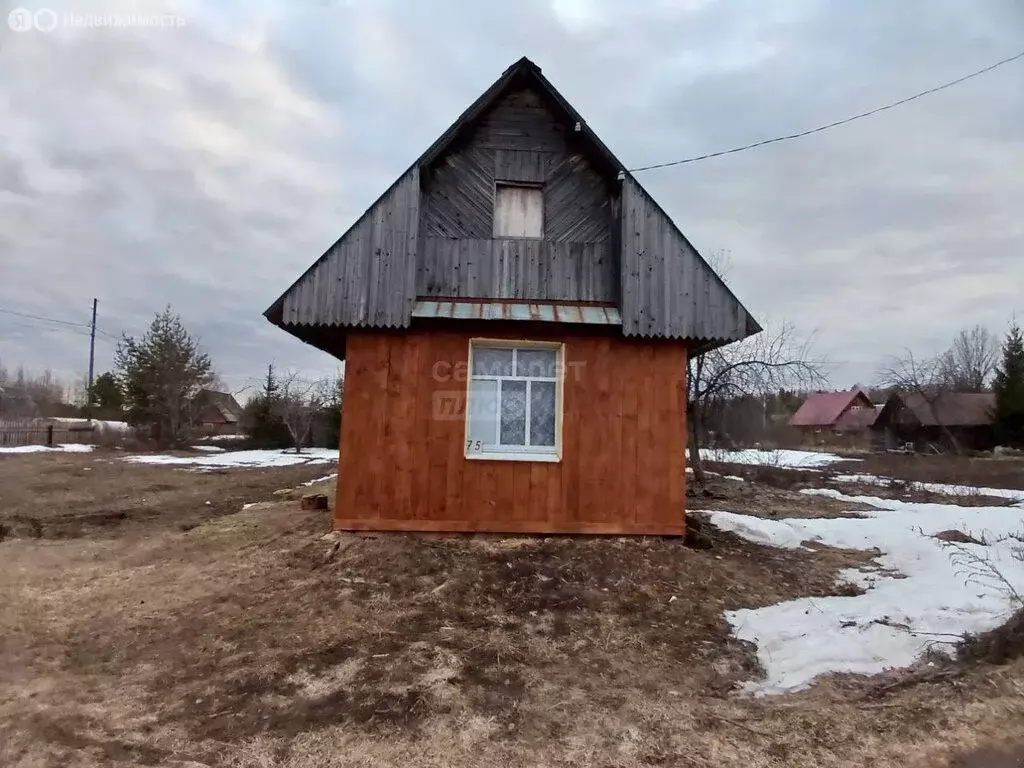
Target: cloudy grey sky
point(206, 165)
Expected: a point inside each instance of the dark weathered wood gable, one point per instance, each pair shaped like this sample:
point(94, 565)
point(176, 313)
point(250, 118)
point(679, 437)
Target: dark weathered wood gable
point(522, 138)
point(430, 235)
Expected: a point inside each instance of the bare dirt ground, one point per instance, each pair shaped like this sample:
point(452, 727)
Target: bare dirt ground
point(66, 495)
point(249, 640)
point(958, 470)
point(767, 492)
point(902, 471)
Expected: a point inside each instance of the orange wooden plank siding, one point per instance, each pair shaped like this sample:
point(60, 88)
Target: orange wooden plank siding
point(623, 439)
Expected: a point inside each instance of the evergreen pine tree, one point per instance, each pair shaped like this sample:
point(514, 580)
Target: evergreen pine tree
point(1008, 385)
point(160, 375)
point(262, 421)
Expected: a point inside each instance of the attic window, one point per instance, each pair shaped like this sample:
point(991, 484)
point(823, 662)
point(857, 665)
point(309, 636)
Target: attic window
point(518, 210)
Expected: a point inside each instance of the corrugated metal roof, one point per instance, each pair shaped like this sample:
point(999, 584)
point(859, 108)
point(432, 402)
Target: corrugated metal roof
point(662, 286)
point(856, 419)
point(822, 409)
point(952, 409)
point(492, 310)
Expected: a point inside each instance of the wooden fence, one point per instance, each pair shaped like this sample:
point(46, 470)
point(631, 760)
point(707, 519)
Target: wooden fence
point(40, 432)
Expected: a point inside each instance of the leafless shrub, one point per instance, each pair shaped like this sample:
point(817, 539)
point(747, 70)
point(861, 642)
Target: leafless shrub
point(766, 362)
point(979, 568)
point(1006, 641)
point(300, 401)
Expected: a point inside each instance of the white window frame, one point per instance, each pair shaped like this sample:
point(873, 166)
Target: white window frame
point(517, 185)
point(517, 452)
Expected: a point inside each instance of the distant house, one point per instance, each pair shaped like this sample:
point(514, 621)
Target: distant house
point(928, 422)
point(217, 413)
point(516, 313)
point(824, 415)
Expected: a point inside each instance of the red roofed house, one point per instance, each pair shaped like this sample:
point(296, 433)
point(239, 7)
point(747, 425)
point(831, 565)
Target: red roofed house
point(835, 414)
point(218, 413)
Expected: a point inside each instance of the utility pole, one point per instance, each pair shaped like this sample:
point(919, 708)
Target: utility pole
point(92, 359)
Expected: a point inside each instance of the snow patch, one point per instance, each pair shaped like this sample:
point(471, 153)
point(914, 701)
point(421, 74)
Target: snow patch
point(323, 479)
point(774, 458)
point(775, 533)
point(949, 489)
point(102, 424)
point(285, 458)
point(897, 619)
point(61, 448)
point(206, 448)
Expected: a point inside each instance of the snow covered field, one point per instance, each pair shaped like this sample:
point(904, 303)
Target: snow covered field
point(242, 458)
point(773, 458)
point(928, 597)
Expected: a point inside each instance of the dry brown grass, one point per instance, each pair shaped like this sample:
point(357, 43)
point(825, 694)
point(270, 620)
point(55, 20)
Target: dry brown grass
point(240, 642)
point(958, 470)
point(771, 492)
point(774, 491)
point(66, 495)
point(906, 490)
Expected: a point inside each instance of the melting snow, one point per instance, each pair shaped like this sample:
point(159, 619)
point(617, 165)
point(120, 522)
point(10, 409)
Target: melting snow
point(62, 448)
point(102, 424)
point(774, 458)
point(897, 619)
point(323, 479)
point(950, 489)
point(243, 458)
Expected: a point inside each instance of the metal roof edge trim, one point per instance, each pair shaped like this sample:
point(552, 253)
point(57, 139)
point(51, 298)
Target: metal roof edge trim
point(525, 311)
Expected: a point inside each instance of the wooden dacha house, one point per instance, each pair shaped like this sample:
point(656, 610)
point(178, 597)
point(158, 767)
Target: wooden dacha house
point(516, 314)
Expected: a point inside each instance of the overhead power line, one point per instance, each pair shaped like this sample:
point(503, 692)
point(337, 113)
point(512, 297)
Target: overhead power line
point(45, 319)
point(821, 128)
point(68, 323)
point(46, 329)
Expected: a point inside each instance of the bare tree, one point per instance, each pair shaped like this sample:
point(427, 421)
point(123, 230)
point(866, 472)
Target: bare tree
point(299, 401)
point(30, 395)
point(764, 363)
point(922, 376)
point(969, 362)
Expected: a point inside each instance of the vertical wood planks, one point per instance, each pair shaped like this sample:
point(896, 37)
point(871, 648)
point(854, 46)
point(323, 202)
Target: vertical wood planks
point(403, 463)
point(676, 416)
point(628, 378)
point(402, 417)
point(425, 411)
point(519, 140)
point(506, 269)
point(661, 433)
